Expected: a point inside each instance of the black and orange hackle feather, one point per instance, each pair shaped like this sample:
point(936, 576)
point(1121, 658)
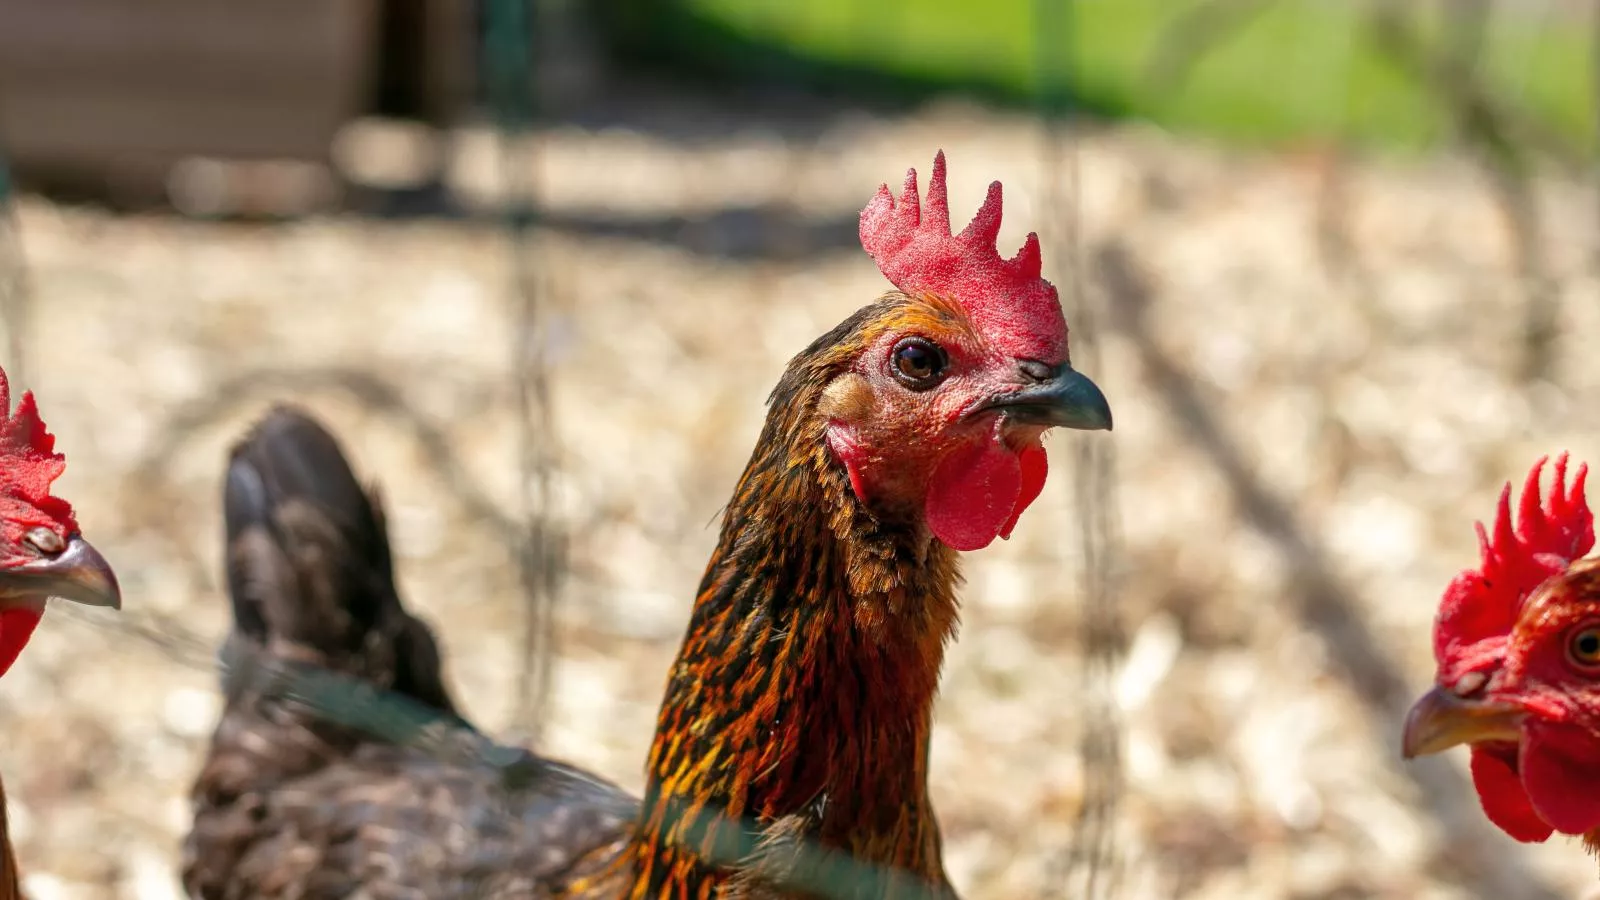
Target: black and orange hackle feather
point(790, 758)
point(800, 704)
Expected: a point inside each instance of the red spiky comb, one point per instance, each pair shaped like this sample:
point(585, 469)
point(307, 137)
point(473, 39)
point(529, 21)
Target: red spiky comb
point(1481, 605)
point(1007, 298)
point(28, 464)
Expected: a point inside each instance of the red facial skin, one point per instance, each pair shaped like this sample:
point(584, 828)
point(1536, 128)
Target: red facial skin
point(1518, 649)
point(957, 457)
point(969, 476)
point(41, 553)
point(1545, 780)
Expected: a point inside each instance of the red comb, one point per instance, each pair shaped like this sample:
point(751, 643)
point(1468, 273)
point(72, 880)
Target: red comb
point(1483, 603)
point(1007, 298)
point(28, 462)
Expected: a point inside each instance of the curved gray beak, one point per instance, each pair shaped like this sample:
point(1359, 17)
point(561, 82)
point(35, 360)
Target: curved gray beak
point(1440, 720)
point(79, 573)
point(1068, 399)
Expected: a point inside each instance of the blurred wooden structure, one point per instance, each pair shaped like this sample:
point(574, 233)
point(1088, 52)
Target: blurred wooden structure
point(106, 97)
point(428, 59)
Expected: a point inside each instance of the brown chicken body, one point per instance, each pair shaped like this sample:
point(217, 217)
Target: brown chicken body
point(319, 787)
point(791, 751)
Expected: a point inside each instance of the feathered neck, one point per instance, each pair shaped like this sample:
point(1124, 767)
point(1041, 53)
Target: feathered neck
point(800, 703)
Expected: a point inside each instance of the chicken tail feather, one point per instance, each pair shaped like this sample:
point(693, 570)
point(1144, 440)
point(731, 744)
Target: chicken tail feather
point(309, 568)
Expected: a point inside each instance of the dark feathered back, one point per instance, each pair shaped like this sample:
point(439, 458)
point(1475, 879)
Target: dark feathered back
point(341, 767)
point(309, 565)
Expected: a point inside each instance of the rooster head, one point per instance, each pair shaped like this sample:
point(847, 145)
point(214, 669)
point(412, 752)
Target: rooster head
point(41, 553)
point(1517, 642)
point(956, 375)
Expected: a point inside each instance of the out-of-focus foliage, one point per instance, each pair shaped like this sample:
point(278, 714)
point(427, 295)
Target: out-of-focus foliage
point(1253, 71)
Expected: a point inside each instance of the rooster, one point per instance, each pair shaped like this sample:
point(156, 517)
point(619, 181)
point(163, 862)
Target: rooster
point(1517, 641)
point(791, 751)
point(42, 555)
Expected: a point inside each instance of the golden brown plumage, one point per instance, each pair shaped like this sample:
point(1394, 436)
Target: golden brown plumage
point(799, 705)
point(791, 751)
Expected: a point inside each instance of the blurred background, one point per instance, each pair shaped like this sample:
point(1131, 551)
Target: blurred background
point(1335, 264)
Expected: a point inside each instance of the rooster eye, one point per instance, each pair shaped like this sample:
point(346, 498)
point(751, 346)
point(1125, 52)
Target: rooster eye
point(1584, 647)
point(45, 541)
point(919, 363)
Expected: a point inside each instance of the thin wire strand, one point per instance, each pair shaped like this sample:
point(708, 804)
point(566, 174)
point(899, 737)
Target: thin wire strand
point(1091, 866)
point(511, 73)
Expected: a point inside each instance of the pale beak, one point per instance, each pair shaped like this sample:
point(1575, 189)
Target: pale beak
point(1443, 719)
point(78, 573)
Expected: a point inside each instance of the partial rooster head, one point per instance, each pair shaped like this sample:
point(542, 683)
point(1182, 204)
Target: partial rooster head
point(41, 553)
point(938, 396)
point(1517, 641)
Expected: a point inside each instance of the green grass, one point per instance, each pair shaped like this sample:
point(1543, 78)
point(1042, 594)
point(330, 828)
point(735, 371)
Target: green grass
point(1302, 69)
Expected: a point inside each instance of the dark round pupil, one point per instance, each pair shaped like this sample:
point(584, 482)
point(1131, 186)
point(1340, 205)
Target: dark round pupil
point(1588, 644)
point(916, 361)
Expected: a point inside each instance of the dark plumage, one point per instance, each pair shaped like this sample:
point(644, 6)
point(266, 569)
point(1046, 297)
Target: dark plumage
point(317, 785)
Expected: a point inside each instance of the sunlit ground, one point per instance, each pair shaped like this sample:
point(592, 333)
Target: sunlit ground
point(1373, 394)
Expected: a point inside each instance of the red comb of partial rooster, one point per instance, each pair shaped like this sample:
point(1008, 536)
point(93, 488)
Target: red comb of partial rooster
point(28, 465)
point(915, 250)
point(1481, 605)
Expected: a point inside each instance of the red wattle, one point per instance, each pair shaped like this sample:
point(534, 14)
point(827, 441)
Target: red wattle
point(973, 494)
point(1504, 799)
point(846, 451)
point(857, 484)
point(1557, 767)
point(16, 627)
point(1035, 469)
